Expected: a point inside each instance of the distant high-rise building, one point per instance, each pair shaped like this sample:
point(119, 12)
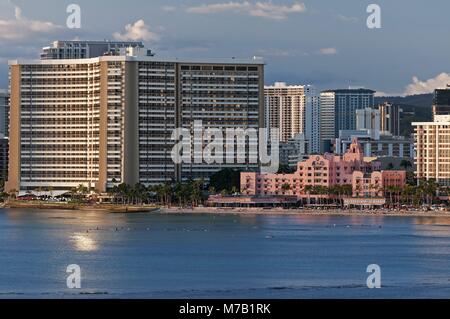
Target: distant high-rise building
point(61, 50)
point(312, 121)
point(347, 101)
point(390, 118)
point(293, 109)
point(441, 101)
point(327, 121)
point(4, 112)
point(368, 120)
point(109, 120)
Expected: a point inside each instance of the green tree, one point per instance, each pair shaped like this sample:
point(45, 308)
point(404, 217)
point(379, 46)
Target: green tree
point(405, 164)
point(226, 179)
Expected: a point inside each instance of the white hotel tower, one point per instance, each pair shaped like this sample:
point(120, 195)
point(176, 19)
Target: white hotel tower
point(108, 120)
point(294, 109)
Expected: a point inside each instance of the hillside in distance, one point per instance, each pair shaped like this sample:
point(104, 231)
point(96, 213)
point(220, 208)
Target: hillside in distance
point(416, 108)
point(420, 100)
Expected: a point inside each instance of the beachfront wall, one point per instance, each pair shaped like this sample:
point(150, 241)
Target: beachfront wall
point(377, 184)
point(319, 170)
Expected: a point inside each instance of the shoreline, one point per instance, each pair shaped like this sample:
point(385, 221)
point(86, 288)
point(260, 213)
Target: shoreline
point(128, 209)
point(304, 212)
point(125, 209)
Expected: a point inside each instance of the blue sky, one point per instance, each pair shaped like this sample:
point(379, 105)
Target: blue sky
point(320, 42)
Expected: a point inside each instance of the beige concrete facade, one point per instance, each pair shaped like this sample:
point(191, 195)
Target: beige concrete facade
point(109, 120)
point(432, 148)
point(13, 182)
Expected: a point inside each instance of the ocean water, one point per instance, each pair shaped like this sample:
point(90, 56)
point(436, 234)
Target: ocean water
point(221, 256)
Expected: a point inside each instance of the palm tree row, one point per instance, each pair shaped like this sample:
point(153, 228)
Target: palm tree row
point(183, 193)
point(424, 193)
point(335, 192)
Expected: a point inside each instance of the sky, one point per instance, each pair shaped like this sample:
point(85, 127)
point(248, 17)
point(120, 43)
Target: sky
point(322, 42)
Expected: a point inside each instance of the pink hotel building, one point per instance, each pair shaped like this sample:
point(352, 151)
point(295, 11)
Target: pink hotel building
point(326, 170)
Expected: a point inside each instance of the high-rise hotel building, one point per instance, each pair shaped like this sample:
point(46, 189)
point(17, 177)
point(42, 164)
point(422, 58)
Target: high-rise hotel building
point(432, 147)
point(346, 102)
point(108, 120)
point(293, 109)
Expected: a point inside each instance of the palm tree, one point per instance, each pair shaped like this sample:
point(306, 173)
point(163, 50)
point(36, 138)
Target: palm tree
point(82, 191)
point(73, 193)
point(196, 195)
point(390, 191)
point(179, 194)
point(138, 194)
point(212, 189)
point(308, 189)
point(124, 192)
point(13, 193)
point(50, 190)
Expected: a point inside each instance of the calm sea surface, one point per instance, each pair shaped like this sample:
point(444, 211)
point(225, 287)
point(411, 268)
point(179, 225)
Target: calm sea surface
point(210, 256)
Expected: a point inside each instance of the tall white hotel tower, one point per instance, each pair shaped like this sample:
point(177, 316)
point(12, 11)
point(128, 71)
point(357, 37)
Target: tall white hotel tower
point(107, 120)
point(294, 109)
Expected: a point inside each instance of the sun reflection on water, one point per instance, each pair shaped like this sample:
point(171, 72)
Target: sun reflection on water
point(83, 243)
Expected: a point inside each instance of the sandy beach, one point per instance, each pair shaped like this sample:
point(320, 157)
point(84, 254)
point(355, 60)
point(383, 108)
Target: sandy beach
point(124, 209)
point(314, 212)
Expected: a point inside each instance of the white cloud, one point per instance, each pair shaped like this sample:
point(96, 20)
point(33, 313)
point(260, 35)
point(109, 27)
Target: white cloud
point(137, 31)
point(327, 51)
point(427, 86)
point(422, 87)
point(266, 9)
point(21, 28)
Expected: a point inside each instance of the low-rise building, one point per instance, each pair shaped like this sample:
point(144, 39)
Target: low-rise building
point(318, 171)
point(376, 184)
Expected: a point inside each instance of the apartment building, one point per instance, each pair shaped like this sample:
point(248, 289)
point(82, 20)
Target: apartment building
point(390, 115)
point(327, 121)
point(107, 120)
point(368, 119)
point(346, 102)
point(293, 109)
point(432, 148)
